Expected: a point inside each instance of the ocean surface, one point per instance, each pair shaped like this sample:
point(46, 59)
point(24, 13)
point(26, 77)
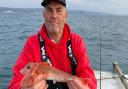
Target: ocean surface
point(17, 25)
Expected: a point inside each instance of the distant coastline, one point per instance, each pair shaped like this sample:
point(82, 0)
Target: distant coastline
point(9, 10)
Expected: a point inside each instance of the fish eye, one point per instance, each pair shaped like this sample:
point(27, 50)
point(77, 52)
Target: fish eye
point(28, 66)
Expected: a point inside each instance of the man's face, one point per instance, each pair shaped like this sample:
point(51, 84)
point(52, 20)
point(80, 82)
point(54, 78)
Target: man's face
point(55, 17)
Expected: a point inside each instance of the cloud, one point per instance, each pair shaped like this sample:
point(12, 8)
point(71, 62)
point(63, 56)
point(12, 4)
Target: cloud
point(21, 3)
point(120, 3)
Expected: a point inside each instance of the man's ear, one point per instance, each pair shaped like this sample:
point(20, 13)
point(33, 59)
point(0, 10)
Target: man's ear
point(66, 14)
point(43, 14)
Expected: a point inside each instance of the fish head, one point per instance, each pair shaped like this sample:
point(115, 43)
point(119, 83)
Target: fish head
point(29, 69)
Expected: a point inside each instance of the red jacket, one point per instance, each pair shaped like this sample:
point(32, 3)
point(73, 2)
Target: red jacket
point(58, 56)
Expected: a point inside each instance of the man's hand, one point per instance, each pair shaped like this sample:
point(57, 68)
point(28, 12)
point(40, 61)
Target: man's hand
point(36, 83)
point(78, 83)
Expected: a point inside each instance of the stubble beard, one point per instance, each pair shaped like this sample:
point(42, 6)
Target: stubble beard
point(54, 29)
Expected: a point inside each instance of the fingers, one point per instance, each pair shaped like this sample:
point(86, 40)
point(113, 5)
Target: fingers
point(40, 85)
point(40, 82)
point(39, 78)
point(36, 82)
point(45, 87)
point(71, 85)
point(80, 84)
point(27, 81)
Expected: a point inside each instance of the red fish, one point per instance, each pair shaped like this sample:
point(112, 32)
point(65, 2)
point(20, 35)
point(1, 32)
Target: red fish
point(32, 70)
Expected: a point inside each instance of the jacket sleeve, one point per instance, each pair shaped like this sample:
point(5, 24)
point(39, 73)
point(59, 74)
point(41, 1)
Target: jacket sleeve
point(24, 57)
point(84, 69)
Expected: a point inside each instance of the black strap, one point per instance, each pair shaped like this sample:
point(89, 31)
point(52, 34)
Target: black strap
point(44, 56)
point(72, 58)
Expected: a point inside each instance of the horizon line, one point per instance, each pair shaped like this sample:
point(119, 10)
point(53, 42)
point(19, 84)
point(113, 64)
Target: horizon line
point(68, 10)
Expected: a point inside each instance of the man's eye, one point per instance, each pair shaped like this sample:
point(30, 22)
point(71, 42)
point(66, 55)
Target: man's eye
point(59, 10)
point(49, 10)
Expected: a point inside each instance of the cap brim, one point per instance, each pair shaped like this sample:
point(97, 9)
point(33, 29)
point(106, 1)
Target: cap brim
point(44, 3)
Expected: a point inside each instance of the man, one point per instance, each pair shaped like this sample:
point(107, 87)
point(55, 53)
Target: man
point(53, 43)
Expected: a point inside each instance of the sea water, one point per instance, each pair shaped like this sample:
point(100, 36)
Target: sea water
point(105, 36)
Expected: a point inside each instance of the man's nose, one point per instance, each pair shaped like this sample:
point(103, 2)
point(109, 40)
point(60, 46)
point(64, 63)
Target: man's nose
point(54, 14)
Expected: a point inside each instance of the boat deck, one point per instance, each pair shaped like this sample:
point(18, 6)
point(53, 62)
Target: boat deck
point(107, 81)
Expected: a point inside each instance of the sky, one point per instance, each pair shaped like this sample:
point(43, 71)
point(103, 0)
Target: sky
point(107, 6)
